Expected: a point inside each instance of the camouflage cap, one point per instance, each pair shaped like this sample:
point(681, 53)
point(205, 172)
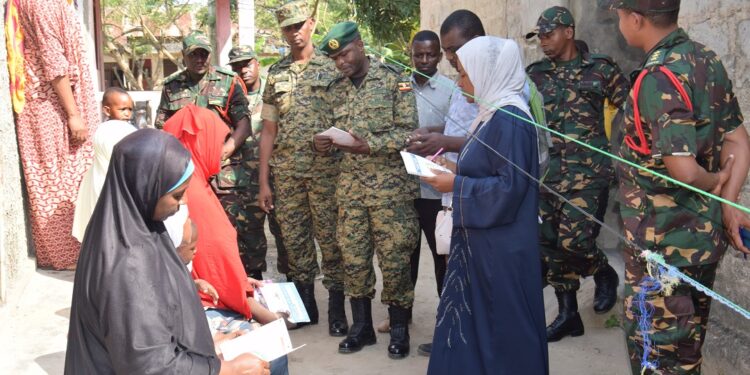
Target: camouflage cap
point(340, 35)
point(196, 40)
point(241, 53)
point(295, 11)
point(551, 19)
point(647, 6)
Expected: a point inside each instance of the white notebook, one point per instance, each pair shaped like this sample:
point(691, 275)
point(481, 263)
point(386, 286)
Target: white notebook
point(419, 166)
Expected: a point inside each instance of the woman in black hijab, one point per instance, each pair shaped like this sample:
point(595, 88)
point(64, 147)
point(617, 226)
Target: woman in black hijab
point(135, 308)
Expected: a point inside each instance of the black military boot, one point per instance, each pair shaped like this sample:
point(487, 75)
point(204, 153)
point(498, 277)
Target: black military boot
point(307, 294)
point(605, 295)
point(568, 321)
point(399, 345)
point(257, 274)
point(361, 333)
point(337, 325)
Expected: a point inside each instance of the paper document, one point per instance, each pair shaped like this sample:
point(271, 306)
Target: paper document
point(268, 342)
point(283, 297)
point(419, 166)
point(339, 136)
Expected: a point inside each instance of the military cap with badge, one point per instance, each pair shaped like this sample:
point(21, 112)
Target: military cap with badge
point(340, 36)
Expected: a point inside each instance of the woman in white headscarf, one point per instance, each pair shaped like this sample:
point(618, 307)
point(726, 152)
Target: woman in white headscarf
point(491, 312)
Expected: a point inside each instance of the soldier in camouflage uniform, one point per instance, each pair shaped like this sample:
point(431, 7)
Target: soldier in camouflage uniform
point(305, 183)
point(688, 128)
point(237, 183)
point(374, 102)
point(207, 86)
point(575, 85)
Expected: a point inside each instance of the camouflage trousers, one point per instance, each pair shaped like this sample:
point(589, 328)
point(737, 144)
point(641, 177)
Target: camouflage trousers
point(390, 231)
point(249, 221)
point(678, 324)
point(568, 237)
point(306, 209)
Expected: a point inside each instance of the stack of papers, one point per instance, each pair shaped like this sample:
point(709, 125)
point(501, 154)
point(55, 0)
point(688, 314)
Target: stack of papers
point(419, 166)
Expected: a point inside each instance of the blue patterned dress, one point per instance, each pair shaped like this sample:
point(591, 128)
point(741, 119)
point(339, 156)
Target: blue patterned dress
point(491, 314)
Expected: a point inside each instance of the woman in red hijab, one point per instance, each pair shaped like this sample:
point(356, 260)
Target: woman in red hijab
point(217, 259)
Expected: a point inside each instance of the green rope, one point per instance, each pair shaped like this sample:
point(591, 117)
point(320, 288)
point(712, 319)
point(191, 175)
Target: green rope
point(611, 156)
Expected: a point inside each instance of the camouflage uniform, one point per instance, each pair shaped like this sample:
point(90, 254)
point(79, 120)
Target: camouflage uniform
point(574, 94)
point(212, 91)
point(684, 227)
point(305, 183)
point(237, 188)
point(375, 194)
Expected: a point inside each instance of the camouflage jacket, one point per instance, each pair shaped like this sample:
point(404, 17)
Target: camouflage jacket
point(574, 94)
point(683, 226)
point(211, 92)
point(385, 116)
point(291, 89)
point(240, 172)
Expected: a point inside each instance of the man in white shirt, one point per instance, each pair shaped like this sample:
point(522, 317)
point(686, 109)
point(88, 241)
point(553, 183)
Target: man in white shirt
point(458, 28)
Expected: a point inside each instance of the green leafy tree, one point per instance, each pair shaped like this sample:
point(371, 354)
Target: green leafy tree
point(385, 25)
point(390, 24)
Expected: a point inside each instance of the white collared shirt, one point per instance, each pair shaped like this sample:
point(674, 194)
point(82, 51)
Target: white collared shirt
point(433, 102)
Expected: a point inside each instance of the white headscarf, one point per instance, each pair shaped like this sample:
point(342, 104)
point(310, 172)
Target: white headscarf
point(495, 68)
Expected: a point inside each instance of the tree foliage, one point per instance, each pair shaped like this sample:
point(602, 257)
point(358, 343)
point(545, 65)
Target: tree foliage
point(137, 30)
point(386, 25)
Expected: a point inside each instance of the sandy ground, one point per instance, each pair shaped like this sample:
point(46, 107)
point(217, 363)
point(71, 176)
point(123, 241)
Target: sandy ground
point(35, 324)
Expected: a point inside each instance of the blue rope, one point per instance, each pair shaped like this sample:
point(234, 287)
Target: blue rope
point(674, 272)
point(646, 309)
point(649, 284)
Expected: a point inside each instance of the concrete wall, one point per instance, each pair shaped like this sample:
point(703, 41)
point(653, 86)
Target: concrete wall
point(723, 25)
point(14, 250)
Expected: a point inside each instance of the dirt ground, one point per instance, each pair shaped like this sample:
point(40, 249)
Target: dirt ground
point(34, 332)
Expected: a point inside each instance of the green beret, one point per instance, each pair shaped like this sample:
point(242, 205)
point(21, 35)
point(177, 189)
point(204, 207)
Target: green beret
point(340, 35)
point(196, 40)
point(647, 6)
point(295, 11)
point(551, 19)
point(241, 53)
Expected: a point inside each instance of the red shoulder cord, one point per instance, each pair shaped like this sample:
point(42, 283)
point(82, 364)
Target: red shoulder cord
point(224, 112)
point(642, 146)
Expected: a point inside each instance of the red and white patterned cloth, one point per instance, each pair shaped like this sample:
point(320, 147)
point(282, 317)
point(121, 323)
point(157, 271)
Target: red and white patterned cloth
point(52, 167)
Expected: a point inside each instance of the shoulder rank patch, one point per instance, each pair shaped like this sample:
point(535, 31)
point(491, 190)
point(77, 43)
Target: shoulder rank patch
point(404, 86)
point(656, 58)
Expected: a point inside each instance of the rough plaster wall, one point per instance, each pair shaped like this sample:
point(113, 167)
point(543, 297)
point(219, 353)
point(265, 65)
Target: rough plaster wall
point(14, 259)
point(723, 25)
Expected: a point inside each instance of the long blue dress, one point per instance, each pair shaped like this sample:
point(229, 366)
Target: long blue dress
point(491, 314)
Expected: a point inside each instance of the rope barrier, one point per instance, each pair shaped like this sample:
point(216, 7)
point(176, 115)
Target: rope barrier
point(661, 279)
point(586, 145)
